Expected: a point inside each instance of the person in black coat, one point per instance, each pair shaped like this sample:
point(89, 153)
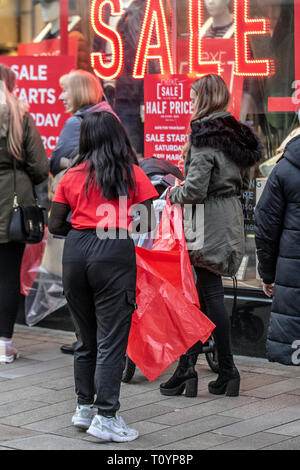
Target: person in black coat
point(277, 237)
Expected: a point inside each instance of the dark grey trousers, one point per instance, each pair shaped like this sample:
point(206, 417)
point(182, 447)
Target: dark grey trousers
point(99, 280)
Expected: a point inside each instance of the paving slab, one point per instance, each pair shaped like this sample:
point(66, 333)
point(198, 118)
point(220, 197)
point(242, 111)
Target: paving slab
point(290, 429)
point(19, 406)
point(256, 441)
point(289, 444)
point(37, 401)
point(252, 380)
point(34, 369)
point(175, 434)
point(205, 409)
point(288, 372)
point(282, 386)
point(54, 396)
point(50, 442)
point(60, 384)
point(202, 441)
point(36, 379)
point(47, 411)
point(11, 432)
point(262, 406)
point(264, 422)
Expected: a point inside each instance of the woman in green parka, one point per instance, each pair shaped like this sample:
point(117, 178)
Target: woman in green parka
point(19, 140)
point(217, 166)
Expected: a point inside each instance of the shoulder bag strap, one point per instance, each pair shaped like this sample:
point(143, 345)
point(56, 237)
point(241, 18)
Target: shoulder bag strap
point(16, 203)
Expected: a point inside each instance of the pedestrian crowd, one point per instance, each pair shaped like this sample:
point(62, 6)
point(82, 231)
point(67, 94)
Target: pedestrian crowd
point(98, 188)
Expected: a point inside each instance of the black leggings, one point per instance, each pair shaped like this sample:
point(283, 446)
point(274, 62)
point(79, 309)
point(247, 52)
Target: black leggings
point(11, 255)
point(211, 297)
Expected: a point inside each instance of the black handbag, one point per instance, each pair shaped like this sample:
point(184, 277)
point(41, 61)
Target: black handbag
point(27, 223)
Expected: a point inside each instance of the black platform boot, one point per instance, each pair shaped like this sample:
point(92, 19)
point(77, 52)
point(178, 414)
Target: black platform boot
point(228, 381)
point(184, 378)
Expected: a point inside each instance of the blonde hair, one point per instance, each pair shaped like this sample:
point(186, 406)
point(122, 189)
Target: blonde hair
point(212, 96)
point(84, 89)
point(12, 113)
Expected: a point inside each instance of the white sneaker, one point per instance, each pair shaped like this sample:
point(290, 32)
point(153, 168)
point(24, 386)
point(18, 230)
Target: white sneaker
point(83, 416)
point(7, 353)
point(112, 429)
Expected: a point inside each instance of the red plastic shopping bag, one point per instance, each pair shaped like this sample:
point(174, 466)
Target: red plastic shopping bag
point(168, 320)
point(31, 262)
point(166, 323)
point(170, 237)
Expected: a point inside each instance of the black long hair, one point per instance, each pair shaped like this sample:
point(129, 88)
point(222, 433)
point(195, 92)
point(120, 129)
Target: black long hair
point(105, 144)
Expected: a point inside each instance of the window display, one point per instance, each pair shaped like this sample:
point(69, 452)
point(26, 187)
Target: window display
point(252, 44)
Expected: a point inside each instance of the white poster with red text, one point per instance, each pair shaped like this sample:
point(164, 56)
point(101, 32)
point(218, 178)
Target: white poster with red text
point(167, 116)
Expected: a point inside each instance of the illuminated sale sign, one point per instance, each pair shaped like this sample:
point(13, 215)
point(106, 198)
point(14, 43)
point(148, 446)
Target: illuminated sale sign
point(221, 51)
point(167, 116)
point(38, 85)
point(101, 68)
point(154, 43)
point(154, 24)
point(244, 27)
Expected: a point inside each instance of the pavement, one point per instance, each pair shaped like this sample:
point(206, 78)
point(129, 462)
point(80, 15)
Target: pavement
point(37, 400)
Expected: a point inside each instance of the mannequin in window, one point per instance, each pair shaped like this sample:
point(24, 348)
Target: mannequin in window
point(220, 23)
point(50, 10)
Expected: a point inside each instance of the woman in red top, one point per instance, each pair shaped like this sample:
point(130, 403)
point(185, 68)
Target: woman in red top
point(99, 266)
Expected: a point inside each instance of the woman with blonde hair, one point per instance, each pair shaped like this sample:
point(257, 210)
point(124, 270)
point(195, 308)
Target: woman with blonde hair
point(220, 153)
point(20, 145)
point(81, 94)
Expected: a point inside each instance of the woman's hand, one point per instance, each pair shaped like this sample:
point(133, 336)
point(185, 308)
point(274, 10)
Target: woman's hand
point(268, 289)
point(178, 182)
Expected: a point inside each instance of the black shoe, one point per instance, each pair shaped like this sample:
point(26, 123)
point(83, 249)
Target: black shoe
point(228, 381)
point(68, 348)
point(184, 378)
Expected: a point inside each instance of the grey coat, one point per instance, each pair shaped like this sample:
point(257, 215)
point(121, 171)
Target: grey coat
point(33, 169)
point(217, 169)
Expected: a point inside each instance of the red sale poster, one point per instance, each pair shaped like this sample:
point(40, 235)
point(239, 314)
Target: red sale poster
point(167, 116)
point(49, 47)
point(38, 85)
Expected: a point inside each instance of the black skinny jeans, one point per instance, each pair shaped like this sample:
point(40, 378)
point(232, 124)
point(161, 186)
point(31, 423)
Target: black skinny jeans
point(11, 255)
point(211, 297)
point(99, 280)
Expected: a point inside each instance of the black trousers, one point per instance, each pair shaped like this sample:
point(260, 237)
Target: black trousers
point(99, 280)
point(11, 255)
point(211, 296)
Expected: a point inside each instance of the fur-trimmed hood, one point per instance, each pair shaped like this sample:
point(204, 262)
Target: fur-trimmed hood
point(223, 132)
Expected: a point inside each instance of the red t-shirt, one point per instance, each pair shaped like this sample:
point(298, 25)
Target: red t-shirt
point(96, 211)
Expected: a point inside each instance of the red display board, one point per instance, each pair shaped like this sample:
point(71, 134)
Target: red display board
point(38, 85)
point(49, 47)
point(167, 115)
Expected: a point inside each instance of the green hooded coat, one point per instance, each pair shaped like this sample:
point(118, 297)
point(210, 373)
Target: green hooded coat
point(217, 169)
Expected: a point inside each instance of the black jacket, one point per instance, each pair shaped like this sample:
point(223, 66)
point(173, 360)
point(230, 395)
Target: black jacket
point(277, 236)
